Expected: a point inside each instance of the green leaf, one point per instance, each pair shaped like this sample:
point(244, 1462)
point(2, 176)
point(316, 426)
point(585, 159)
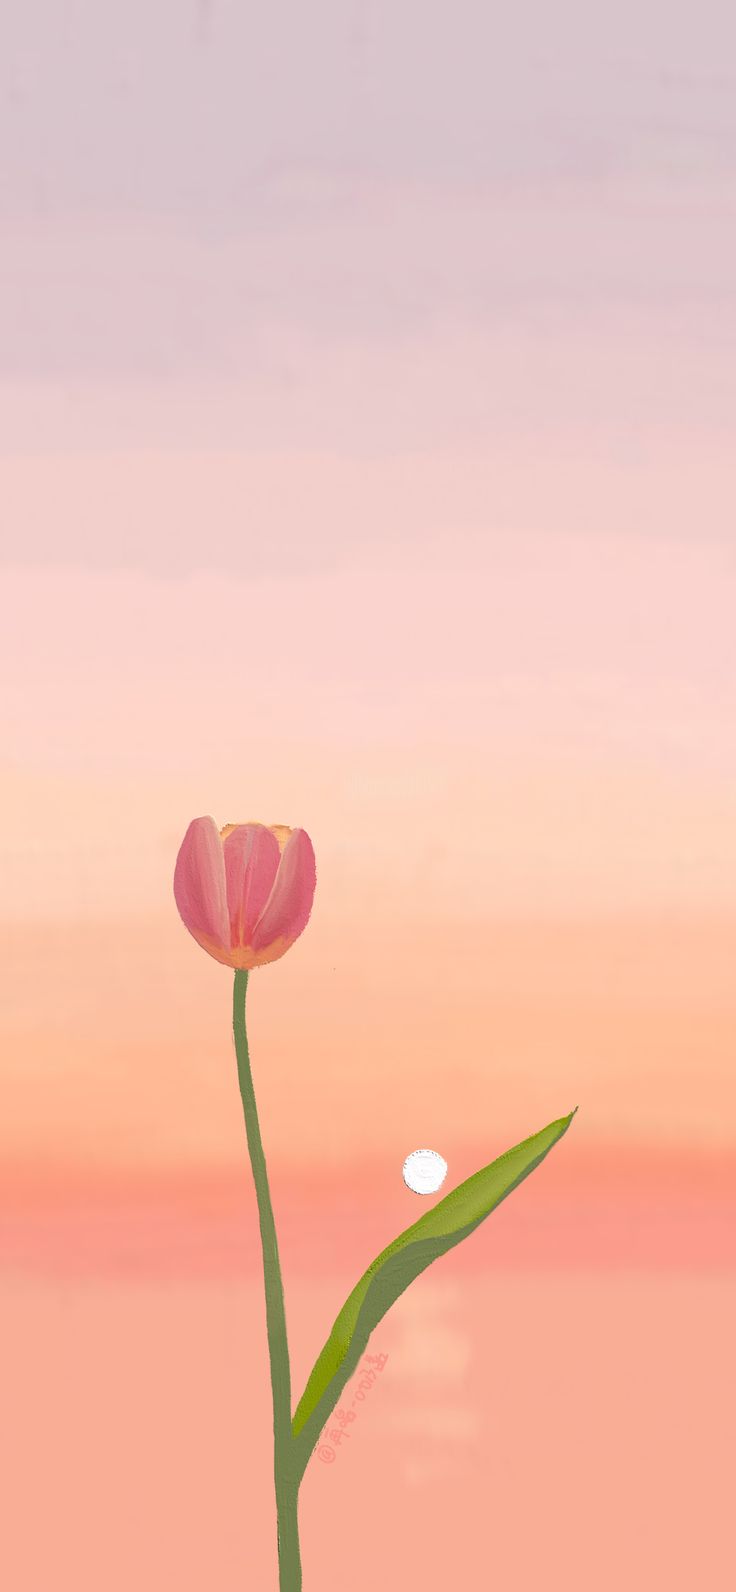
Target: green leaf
point(452, 1219)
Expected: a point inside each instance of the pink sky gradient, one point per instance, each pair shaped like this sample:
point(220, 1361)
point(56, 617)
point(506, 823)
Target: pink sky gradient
point(366, 464)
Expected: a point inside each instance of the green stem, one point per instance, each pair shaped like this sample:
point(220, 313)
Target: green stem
point(285, 1471)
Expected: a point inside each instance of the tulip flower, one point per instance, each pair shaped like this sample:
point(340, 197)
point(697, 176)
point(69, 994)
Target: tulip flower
point(245, 893)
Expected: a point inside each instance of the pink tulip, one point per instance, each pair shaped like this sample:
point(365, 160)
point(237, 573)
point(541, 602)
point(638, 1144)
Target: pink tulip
point(245, 893)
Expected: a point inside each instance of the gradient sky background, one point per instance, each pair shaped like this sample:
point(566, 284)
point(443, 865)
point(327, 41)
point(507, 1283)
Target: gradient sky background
point(367, 391)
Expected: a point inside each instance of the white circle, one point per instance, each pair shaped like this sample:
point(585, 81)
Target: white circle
point(424, 1171)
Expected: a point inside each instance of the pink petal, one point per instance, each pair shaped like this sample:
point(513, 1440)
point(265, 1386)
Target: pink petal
point(199, 884)
point(287, 910)
point(251, 863)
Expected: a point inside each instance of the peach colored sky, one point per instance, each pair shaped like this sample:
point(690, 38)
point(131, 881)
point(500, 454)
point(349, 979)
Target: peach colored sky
point(368, 467)
point(517, 766)
point(369, 470)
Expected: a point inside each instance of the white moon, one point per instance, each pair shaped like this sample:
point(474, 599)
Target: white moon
point(424, 1171)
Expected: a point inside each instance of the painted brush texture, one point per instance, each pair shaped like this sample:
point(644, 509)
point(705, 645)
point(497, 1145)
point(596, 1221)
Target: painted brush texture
point(375, 371)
